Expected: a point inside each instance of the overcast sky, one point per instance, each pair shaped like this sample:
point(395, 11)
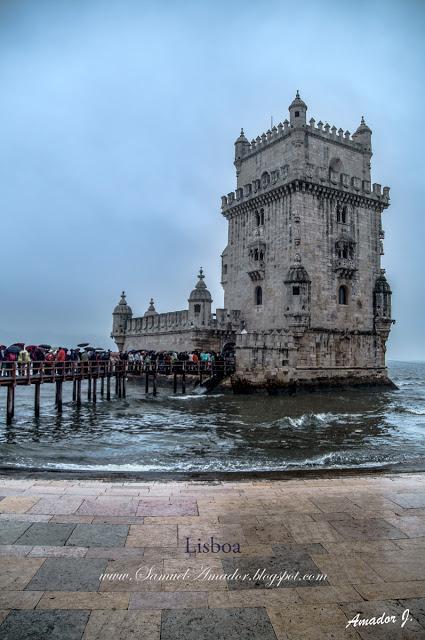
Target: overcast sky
point(117, 124)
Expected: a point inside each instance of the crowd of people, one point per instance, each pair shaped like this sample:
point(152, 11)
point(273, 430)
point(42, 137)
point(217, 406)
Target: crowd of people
point(31, 359)
point(170, 361)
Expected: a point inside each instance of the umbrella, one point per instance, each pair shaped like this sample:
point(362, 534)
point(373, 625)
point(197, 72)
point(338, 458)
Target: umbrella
point(44, 346)
point(83, 344)
point(30, 347)
point(13, 349)
point(19, 344)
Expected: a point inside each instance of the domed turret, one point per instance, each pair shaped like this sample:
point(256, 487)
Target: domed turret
point(297, 112)
point(363, 134)
point(241, 143)
point(382, 297)
point(151, 311)
point(121, 314)
point(200, 303)
point(297, 303)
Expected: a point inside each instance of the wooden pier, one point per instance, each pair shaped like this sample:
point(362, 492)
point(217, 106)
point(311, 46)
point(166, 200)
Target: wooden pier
point(101, 372)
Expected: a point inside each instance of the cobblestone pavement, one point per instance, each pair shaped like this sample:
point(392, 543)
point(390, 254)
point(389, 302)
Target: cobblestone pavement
point(106, 560)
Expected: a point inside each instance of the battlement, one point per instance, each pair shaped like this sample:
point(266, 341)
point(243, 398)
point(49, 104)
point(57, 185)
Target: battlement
point(160, 322)
point(284, 129)
point(271, 181)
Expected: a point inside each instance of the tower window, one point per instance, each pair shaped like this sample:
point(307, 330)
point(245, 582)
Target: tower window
point(341, 213)
point(258, 296)
point(224, 269)
point(262, 217)
point(197, 308)
point(342, 295)
point(297, 114)
point(295, 291)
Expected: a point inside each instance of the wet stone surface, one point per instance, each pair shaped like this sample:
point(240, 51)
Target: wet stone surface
point(44, 625)
point(68, 574)
point(207, 624)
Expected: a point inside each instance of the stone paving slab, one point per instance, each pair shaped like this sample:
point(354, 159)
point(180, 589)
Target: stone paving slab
point(46, 534)
point(17, 572)
point(44, 625)
point(57, 506)
point(122, 625)
point(68, 574)
point(297, 565)
point(19, 599)
point(211, 624)
point(83, 600)
point(98, 535)
point(10, 531)
point(393, 631)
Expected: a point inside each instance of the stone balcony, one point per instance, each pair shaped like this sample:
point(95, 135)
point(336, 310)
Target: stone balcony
point(345, 267)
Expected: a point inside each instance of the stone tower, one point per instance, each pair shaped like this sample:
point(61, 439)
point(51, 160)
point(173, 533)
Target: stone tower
point(303, 259)
point(121, 314)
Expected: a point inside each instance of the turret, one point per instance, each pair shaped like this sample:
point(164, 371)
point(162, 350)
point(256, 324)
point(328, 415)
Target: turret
point(298, 295)
point(382, 298)
point(297, 112)
point(151, 311)
point(241, 144)
point(363, 135)
point(200, 303)
point(121, 314)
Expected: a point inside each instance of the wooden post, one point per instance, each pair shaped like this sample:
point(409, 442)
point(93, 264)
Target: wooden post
point(59, 395)
point(175, 382)
point(74, 390)
point(184, 378)
point(108, 386)
point(102, 385)
point(124, 391)
point(10, 404)
point(37, 399)
point(79, 392)
point(89, 388)
point(94, 389)
point(13, 401)
point(154, 383)
point(116, 382)
point(146, 380)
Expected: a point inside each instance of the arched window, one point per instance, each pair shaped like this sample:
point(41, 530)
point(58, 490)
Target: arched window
point(338, 212)
point(262, 217)
point(256, 254)
point(197, 308)
point(344, 214)
point(342, 295)
point(257, 219)
point(258, 296)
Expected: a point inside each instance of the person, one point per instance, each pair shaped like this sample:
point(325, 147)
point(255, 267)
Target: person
point(2, 358)
point(60, 359)
point(23, 361)
point(37, 357)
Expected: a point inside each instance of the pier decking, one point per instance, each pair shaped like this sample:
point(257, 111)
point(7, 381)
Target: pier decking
point(37, 373)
